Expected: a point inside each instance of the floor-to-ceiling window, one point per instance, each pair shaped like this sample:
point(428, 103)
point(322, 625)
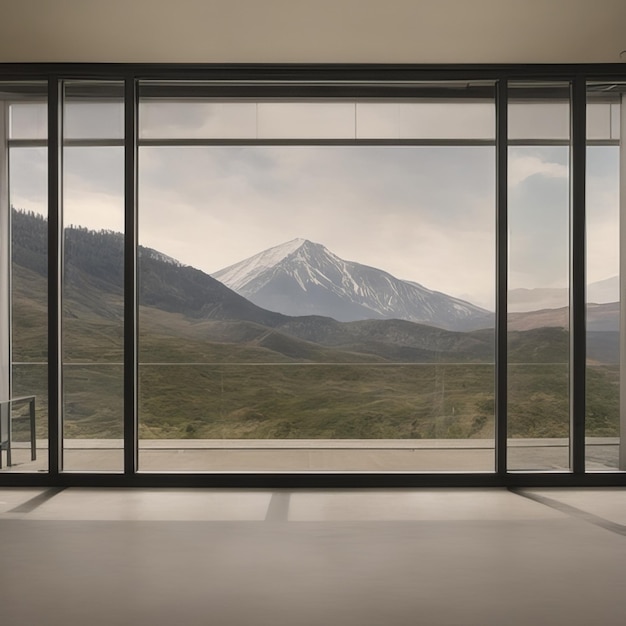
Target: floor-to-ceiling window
point(320, 275)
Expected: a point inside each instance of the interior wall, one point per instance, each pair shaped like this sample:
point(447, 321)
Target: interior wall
point(317, 31)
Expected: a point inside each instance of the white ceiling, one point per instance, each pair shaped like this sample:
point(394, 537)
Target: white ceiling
point(317, 31)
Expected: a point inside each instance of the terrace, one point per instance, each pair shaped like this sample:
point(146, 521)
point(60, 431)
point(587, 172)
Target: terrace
point(368, 456)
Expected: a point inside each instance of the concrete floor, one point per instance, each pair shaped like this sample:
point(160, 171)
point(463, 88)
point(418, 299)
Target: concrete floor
point(374, 557)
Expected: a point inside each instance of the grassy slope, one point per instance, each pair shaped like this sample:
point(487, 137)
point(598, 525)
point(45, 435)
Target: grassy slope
point(247, 386)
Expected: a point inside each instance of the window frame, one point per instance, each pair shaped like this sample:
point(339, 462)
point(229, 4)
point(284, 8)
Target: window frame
point(333, 81)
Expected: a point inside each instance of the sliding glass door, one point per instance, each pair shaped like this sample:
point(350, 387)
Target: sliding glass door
point(316, 283)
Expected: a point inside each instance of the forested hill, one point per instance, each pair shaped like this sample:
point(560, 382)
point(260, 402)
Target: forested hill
point(99, 253)
point(94, 260)
point(29, 240)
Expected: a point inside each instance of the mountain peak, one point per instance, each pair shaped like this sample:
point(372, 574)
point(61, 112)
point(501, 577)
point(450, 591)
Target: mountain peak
point(292, 243)
point(238, 275)
point(301, 277)
point(296, 244)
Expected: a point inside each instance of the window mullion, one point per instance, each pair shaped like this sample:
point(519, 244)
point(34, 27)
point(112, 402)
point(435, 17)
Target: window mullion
point(578, 331)
point(622, 296)
point(130, 277)
point(501, 355)
point(55, 275)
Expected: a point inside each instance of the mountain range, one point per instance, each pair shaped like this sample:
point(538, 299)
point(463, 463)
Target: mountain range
point(300, 277)
point(181, 302)
point(94, 291)
point(598, 292)
point(213, 364)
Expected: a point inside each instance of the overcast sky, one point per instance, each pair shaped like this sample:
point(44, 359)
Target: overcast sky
point(425, 214)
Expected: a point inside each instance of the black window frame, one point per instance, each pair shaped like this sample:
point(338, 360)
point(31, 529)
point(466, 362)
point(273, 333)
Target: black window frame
point(315, 80)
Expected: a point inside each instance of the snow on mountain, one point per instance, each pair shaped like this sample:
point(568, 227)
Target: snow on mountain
point(304, 278)
point(239, 275)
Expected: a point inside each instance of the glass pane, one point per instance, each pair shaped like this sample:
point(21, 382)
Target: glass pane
point(603, 441)
point(93, 111)
point(163, 116)
point(461, 119)
point(537, 119)
point(93, 424)
point(308, 416)
point(23, 268)
point(538, 298)
point(300, 120)
point(599, 120)
point(28, 120)
point(189, 119)
point(247, 120)
point(24, 110)
point(93, 299)
point(616, 121)
point(29, 291)
point(316, 308)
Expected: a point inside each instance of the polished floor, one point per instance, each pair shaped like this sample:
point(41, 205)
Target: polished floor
point(374, 557)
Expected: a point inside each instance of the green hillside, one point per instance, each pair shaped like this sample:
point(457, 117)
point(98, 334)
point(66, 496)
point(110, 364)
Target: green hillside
point(213, 365)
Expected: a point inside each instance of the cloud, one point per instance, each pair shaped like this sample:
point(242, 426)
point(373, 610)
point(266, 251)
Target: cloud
point(424, 214)
point(522, 167)
point(539, 218)
point(93, 188)
point(28, 179)
point(602, 211)
point(539, 215)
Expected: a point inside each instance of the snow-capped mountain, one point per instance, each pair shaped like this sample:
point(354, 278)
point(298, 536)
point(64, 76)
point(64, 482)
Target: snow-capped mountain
point(304, 278)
